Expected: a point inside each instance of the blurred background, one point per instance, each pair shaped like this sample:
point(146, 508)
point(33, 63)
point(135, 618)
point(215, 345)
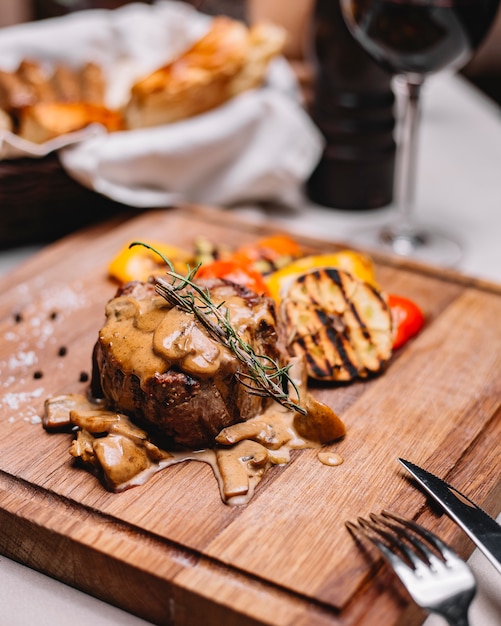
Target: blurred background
point(484, 70)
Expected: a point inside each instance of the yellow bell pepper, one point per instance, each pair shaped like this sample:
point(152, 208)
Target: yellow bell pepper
point(357, 264)
point(139, 263)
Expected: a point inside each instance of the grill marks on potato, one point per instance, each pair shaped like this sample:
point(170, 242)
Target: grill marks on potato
point(341, 325)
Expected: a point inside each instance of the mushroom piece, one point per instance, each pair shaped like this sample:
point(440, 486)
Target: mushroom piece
point(112, 444)
point(107, 422)
point(120, 459)
point(320, 423)
point(237, 465)
point(57, 410)
point(252, 429)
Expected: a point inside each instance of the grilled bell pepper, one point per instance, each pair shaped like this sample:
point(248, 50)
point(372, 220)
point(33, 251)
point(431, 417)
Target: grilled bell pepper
point(139, 263)
point(236, 272)
point(268, 254)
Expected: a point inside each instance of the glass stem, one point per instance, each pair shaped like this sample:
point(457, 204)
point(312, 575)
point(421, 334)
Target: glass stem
point(405, 190)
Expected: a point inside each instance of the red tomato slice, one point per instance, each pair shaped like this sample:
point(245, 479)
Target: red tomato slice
point(408, 319)
point(236, 272)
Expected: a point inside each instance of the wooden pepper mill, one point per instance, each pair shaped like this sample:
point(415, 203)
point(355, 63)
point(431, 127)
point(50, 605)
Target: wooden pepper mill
point(353, 105)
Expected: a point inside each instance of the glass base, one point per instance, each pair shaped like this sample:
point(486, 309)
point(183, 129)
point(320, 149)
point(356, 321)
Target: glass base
point(413, 242)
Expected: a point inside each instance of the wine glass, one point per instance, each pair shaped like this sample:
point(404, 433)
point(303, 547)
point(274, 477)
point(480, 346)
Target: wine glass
point(411, 39)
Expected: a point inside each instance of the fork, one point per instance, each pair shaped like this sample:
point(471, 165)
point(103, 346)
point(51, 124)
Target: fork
point(435, 577)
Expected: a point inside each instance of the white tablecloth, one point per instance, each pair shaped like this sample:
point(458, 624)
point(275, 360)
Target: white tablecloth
point(459, 188)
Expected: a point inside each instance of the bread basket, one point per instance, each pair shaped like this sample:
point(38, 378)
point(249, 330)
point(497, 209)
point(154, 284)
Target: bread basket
point(39, 202)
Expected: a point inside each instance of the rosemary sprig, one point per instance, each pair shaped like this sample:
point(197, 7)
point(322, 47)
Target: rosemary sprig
point(262, 375)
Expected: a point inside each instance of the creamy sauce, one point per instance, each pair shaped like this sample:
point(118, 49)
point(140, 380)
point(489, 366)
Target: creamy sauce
point(330, 458)
point(146, 337)
point(123, 455)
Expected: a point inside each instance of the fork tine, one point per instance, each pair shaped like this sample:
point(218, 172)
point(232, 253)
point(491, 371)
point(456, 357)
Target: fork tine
point(432, 539)
point(371, 532)
point(389, 519)
point(397, 563)
point(379, 526)
point(446, 587)
point(400, 567)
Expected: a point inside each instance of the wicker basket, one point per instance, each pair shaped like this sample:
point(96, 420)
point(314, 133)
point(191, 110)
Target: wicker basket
point(39, 202)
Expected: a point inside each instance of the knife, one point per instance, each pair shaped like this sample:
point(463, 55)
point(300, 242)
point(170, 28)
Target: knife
point(480, 527)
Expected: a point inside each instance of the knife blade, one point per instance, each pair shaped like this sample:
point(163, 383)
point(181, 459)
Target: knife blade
point(476, 523)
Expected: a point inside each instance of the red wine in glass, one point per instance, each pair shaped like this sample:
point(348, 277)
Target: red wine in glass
point(411, 39)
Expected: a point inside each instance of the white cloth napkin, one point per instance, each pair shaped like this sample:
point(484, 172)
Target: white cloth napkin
point(260, 146)
point(486, 607)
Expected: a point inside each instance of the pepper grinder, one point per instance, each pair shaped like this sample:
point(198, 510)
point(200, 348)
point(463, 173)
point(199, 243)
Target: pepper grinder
point(353, 106)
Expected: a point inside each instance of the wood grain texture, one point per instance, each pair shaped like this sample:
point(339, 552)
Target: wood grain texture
point(171, 551)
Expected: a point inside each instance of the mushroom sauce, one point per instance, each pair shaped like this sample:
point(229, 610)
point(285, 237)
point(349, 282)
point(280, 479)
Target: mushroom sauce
point(153, 336)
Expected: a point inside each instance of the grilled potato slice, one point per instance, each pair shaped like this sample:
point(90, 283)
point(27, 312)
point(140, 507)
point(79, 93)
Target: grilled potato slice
point(342, 325)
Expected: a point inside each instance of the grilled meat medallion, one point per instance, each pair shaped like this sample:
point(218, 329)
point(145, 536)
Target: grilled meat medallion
point(160, 366)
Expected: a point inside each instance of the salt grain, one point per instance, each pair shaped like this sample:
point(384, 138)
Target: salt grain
point(22, 359)
point(12, 400)
point(32, 419)
point(64, 298)
point(42, 331)
point(15, 400)
point(40, 321)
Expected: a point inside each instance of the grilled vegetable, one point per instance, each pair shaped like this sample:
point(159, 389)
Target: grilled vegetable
point(139, 263)
point(269, 254)
point(206, 251)
point(236, 272)
point(357, 264)
point(408, 319)
point(342, 325)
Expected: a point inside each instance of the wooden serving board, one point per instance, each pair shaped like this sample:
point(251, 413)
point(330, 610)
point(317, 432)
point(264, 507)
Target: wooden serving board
point(171, 551)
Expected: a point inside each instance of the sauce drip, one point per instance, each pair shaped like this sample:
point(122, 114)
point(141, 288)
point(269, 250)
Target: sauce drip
point(124, 456)
point(330, 458)
point(146, 337)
